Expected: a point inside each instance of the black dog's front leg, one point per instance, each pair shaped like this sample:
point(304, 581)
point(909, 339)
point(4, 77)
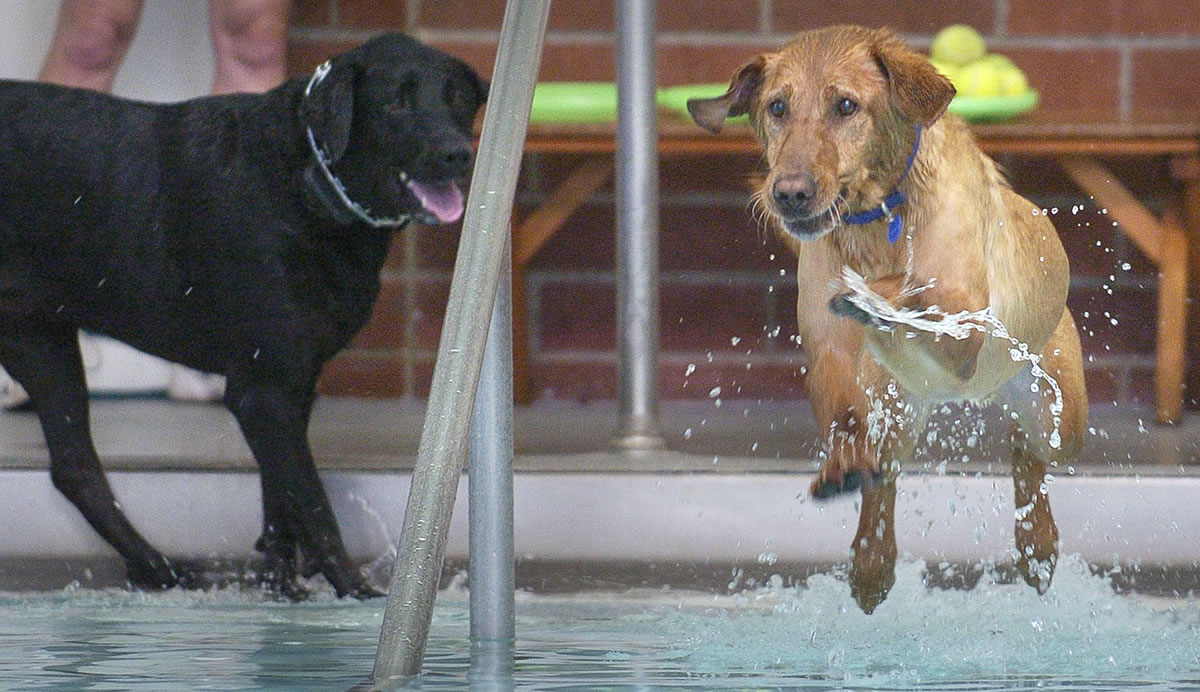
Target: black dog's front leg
point(296, 511)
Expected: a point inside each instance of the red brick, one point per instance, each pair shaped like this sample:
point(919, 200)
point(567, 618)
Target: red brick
point(1164, 81)
point(713, 318)
point(579, 62)
point(729, 174)
point(700, 64)
point(1069, 79)
point(359, 373)
point(312, 13)
point(1134, 311)
point(580, 16)
point(1094, 247)
point(1160, 17)
point(303, 55)
point(714, 238)
point(373, 14)
point(421, 376)
point(488, 15)
point(587, 241)
point(1104, 17)
point(430, 312)
point(706, 15)
point(461, 14)
point(395, 256)
point(576, 316)
point(910, 16)
point(1063, 17)
point(437, 247)
point(479, 55)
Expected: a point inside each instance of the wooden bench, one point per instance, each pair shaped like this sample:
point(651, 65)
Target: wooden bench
point(1075, 143)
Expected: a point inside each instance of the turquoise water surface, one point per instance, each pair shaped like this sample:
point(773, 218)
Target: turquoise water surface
point(1079, 636)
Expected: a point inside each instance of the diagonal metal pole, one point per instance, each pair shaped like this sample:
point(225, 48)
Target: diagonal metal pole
point(442, 451)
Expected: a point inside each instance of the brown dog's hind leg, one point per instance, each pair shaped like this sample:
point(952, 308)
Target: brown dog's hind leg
point(873, 553)
point(1042, 438)
point(1035, 532)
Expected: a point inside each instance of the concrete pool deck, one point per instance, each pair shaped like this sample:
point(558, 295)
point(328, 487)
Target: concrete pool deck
point(730, 487)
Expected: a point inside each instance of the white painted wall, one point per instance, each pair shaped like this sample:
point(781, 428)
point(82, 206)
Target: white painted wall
point(170, 59)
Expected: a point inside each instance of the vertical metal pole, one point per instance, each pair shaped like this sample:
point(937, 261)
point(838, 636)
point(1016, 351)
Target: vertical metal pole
point(637, 226)
point(489, 468)
point(440, 456)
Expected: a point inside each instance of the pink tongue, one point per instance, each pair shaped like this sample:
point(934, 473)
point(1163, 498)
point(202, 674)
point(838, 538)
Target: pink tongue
point(443, 200)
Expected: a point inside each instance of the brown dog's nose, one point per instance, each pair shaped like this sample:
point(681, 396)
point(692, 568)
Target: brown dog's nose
point(793, 194)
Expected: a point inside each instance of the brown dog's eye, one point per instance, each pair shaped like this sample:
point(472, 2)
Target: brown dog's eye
point(846, 107)
point(777, 108)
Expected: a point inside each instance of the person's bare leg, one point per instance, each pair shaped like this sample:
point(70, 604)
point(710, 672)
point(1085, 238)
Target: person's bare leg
point(249, 44)
point(90, 41)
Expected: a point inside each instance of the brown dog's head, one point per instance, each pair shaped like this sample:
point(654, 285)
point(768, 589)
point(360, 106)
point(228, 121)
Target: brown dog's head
point(836, 111)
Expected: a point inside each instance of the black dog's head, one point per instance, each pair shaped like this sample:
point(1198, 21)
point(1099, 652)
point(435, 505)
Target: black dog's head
point(393, 119)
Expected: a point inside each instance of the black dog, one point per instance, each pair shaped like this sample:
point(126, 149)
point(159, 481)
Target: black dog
point(240, 235)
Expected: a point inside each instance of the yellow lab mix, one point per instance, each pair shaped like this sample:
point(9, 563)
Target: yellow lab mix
point(867, 176)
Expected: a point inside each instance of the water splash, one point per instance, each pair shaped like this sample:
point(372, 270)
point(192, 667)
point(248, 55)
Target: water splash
point(958, 325)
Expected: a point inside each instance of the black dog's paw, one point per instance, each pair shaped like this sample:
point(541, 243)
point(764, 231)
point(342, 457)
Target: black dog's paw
point(843, 306)
point(289, 590)
point(826, 488)
point(364, 591)
point(160, 573)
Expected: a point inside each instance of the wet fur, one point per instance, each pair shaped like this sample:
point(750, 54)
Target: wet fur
point(967, 236)
point(193, 231)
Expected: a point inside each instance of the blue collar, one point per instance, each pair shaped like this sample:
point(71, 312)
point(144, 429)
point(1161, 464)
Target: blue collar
point(887, 208)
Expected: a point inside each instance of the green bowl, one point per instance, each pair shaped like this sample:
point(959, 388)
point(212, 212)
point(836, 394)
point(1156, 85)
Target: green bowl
point(574, 102)
point(675, 98)
point(993, 108)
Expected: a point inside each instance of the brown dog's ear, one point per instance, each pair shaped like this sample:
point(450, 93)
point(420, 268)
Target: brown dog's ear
point(738, 100)
point(918, 89)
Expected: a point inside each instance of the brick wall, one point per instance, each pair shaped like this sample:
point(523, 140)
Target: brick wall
point(727, 288)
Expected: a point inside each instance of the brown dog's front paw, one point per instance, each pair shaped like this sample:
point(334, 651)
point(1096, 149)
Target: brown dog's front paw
point(870, 583)
point(843, 306)
point(826, 486)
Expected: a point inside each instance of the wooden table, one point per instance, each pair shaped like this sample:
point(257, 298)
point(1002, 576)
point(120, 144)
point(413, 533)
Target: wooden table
point(1074, 141)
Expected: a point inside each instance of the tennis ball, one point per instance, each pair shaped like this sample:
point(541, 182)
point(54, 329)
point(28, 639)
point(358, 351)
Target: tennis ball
point(1013, 81)
point(979, 79)
point(957, 44)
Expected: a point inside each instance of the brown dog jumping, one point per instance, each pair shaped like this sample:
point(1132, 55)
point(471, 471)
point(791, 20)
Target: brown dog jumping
point(866, 173)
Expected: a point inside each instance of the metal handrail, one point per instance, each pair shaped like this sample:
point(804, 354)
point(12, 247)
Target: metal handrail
point(637, 227)
point(440, 457)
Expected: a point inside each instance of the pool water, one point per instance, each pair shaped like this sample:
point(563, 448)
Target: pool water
point(1080, 636)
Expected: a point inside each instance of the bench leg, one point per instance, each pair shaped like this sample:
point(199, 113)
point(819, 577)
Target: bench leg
point(1166, 245)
